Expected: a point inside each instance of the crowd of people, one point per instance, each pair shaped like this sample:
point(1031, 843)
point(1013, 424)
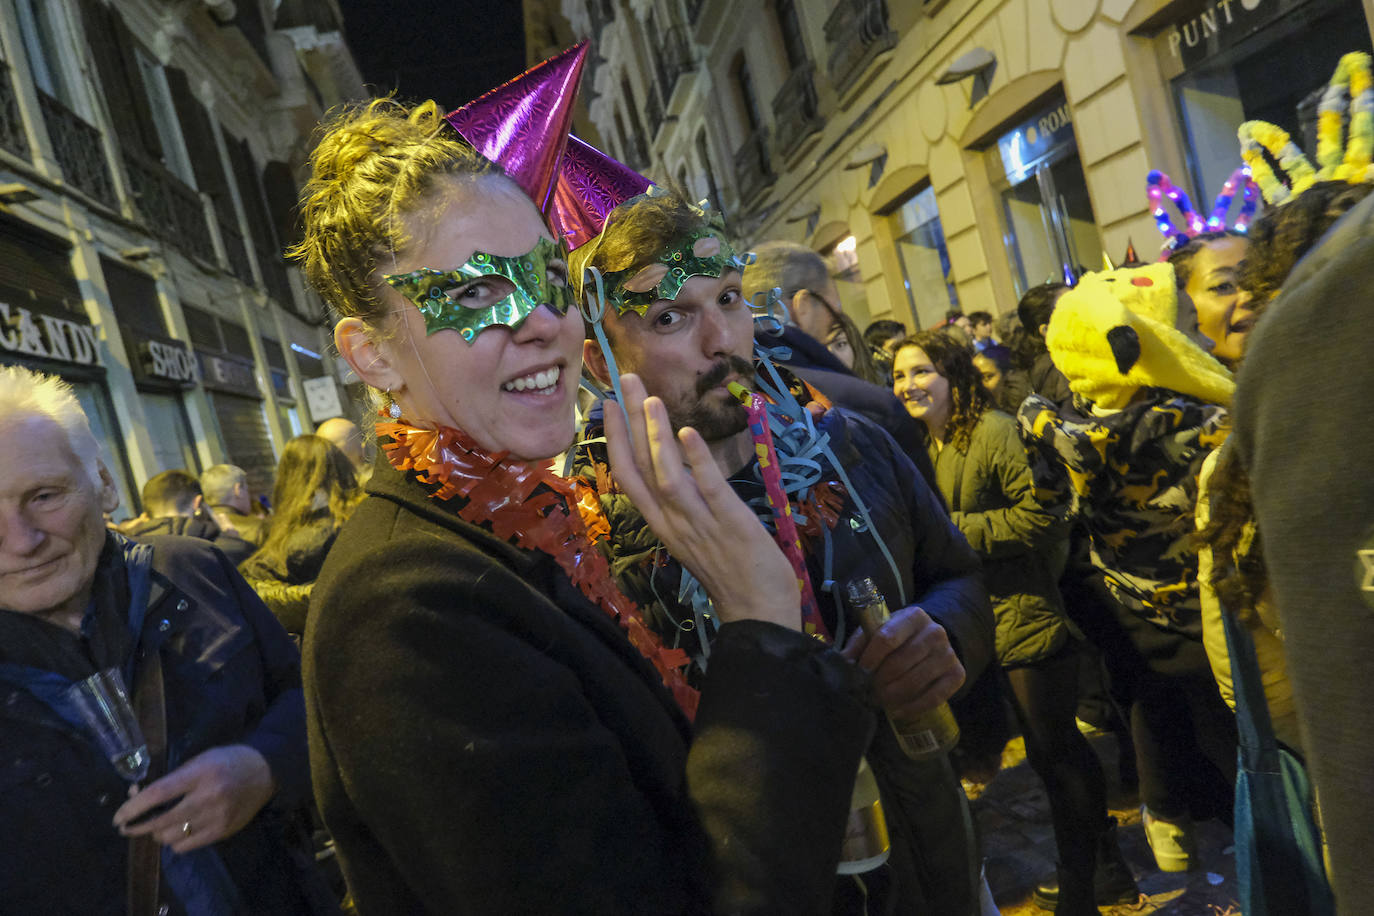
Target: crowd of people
point(544, 656)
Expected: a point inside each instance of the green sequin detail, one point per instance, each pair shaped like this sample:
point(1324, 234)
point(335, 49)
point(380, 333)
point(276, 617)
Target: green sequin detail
point(428, 289)
point(682, 266)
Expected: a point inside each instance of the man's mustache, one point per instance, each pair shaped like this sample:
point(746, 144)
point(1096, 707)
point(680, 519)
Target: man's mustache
point(717, 374)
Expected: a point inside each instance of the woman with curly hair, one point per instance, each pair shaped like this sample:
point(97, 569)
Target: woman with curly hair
point(984, 473)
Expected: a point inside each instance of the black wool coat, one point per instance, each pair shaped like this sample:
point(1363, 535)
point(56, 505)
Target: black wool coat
point(485, 740)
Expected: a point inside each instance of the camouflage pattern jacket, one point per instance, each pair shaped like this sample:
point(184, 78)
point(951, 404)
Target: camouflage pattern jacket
point(1131, 477)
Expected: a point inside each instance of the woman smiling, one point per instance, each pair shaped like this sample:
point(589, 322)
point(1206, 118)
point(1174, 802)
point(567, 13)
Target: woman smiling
point(492, 727)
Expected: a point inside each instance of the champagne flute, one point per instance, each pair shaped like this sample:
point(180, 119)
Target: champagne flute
point(104, 706)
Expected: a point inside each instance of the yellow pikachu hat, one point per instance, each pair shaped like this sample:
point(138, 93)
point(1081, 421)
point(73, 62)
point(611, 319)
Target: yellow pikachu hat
point(1114, 333)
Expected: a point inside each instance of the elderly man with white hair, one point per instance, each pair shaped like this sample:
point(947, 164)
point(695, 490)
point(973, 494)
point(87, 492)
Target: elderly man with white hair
point(216, 693)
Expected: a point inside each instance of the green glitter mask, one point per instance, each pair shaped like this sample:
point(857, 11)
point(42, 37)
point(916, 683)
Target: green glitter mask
point(429, 290)
point(701, 253)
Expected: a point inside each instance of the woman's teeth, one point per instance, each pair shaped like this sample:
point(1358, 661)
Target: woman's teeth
point(539, 382)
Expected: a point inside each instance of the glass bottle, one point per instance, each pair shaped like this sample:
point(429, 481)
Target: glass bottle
point(866, 844)
point(919, 736)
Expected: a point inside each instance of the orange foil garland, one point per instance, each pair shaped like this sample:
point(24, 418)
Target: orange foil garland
point(533, 508)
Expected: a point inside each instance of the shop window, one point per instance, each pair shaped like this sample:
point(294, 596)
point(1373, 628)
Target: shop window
point(843, 261)
point(920, 242)
point(1050, 232)
point(170, 430)
point(1268, 63)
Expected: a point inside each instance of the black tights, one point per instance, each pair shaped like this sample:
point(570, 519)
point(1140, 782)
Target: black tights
point(1045, 698)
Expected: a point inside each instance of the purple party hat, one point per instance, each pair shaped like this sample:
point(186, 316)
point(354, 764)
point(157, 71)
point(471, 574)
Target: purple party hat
point(590, 185)
point(523, 124)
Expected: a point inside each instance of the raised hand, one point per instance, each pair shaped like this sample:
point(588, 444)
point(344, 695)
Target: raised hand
point(216, 793)
point(680, 491)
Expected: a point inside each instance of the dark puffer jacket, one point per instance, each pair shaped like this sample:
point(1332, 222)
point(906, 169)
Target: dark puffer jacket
point(991, 495)
point(193, 526)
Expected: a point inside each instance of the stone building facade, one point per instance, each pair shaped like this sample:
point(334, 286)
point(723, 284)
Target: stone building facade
point(951, 153)
point(149, 161)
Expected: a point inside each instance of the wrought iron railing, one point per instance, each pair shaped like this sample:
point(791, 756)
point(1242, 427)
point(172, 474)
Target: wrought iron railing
point(796, 111)
point(753, 166)
point(858, 32)
point(12, 136)
point(79, 151)
point(169, 208)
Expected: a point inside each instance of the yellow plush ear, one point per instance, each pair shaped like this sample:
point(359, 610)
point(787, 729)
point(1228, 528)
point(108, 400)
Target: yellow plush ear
point(1114, 333)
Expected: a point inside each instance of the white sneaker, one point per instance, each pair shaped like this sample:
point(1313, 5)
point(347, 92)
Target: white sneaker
point(1171, 841)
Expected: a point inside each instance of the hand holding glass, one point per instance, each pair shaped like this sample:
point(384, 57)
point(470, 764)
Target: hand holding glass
point(104, 706)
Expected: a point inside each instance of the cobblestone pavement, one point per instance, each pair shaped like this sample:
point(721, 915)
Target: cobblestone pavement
point(1018, 845)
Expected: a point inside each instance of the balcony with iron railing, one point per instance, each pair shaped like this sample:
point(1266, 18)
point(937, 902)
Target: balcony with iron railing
point(753, 165)
point(12, 136)
point(796, 110)
point(858, 33)
point(170, 209)
point(79, 151)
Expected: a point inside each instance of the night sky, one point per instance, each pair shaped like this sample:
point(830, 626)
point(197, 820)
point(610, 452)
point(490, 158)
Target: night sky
point(447, 50)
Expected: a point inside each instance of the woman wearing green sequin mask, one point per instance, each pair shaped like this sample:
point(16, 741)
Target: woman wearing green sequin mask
point(492, 727)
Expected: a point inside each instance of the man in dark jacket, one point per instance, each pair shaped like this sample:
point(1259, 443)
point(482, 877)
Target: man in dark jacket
point(686, 346)
point(224, 491)
point(226, 748)
point(812, 301)
point(173, 504)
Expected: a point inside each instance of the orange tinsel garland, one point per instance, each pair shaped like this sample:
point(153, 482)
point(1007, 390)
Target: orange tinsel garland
point(532, 507)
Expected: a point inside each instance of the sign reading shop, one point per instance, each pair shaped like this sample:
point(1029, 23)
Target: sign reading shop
point(160, 362)
point(45, 336)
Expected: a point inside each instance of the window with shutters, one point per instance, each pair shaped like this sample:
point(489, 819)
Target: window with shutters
point(133, 295)
point(236, 340)
point(45, 36)
point(37, 268)
point(203, 329)
point(164, 117)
